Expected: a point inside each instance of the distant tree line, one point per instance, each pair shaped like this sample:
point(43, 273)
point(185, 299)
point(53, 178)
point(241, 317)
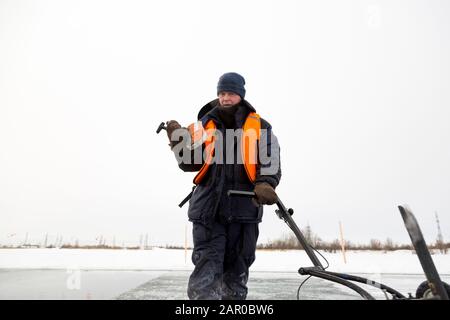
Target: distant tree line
point(287, 242)
point(290, 242)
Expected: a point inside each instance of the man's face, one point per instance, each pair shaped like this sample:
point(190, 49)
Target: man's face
point(228, 99)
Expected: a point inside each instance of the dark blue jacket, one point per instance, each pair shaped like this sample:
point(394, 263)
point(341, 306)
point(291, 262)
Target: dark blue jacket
point(210, 199)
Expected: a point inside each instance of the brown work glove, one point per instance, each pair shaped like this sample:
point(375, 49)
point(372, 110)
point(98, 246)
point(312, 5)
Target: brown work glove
point(171, 126)
point(265, 194)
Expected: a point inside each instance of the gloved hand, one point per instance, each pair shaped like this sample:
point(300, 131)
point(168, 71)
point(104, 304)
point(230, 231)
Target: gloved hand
point(265, 194)
point(171, 126)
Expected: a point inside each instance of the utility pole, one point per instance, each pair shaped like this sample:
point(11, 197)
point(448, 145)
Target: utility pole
point(146, 241)
point(26, 239)
point(440, 238)
point(341, 232)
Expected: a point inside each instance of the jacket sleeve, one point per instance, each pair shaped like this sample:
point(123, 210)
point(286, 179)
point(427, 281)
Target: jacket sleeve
point(269, 165)
point(188, 159)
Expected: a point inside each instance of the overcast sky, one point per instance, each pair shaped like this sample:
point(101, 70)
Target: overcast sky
point(357, 92)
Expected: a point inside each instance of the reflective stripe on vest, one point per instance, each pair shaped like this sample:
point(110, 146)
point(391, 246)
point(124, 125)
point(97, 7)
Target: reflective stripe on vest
point(207, 137)
point(249, 143)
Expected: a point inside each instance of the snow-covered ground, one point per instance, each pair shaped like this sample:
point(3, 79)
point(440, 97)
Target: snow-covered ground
point(401, 262)
point(163, 273)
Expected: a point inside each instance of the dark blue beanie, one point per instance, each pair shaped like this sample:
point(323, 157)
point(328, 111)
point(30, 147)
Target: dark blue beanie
point(232, 82)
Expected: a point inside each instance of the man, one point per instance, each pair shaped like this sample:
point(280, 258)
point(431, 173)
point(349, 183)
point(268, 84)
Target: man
point(239, 152)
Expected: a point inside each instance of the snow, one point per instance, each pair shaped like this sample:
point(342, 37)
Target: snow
point(371, 262)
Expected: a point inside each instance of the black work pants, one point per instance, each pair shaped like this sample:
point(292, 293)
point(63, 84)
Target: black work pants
point(222, 255)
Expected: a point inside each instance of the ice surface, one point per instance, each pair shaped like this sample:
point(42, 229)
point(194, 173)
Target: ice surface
point(163, 274)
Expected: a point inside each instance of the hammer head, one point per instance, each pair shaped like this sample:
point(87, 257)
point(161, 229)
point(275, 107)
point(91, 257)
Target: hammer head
point(161, 126)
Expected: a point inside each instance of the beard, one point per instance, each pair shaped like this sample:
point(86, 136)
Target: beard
point(228, 105)
point(228, 108)
point(227, 114)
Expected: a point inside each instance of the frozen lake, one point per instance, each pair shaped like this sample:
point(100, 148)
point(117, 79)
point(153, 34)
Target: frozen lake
point(135, 285)
point(163, 274)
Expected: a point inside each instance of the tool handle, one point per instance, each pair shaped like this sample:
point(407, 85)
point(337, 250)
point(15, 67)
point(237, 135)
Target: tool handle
point(161, 127)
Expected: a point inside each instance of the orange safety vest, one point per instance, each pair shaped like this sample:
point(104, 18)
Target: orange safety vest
point(251, 133)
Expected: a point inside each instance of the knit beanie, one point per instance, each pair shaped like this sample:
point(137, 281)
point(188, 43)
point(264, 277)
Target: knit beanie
point(232, 82)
